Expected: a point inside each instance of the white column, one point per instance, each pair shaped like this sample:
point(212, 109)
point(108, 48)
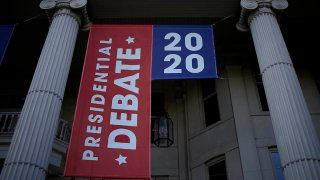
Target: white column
point(30, 148)
point(294, 130)
point(245, 134)
point(182, 140)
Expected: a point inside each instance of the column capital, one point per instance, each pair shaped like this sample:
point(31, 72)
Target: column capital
point(74, 8)
point(252, 8)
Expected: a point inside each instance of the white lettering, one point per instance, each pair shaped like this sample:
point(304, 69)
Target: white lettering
point(98, 118)
point(92, 142)
point(120, 67)
point(128, 54)
point(109, 41)
point(105, 50)
point(96, 109)
point(99, 88)
point(98, 66)
point(100, 77)
point(122, 145)
point(98, 99)
point(128, 83)
point(123, 121)
point(94, 129)
point(128, 102)
point(103, 59)
point(88, 155)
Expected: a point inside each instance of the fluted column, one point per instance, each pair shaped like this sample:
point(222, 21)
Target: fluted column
point(245, 132)
point(31, 145)
point(294, 130)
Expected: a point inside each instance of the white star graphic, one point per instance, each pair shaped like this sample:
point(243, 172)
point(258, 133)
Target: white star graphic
point(130, 40)
point(121, 159)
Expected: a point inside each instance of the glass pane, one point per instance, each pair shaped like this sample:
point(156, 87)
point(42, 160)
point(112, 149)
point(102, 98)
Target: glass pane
point(208, 87)
point(210, 101)
point(263, 98)
point(277, 165)
point(157, 103)
point(259, 83)
point(160, 178)
point(218, 171)
point(157, 106)
point(211, 110)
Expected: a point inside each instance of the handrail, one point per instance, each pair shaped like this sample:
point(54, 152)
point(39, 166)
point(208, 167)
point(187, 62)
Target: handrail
point(8, 122)
point(63, 131)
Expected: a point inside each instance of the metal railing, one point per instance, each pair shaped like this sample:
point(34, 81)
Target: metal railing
point(63, 131)
point(8, 122)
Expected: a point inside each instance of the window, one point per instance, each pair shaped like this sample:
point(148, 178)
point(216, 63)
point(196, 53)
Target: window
point(159, 178)
point(259, 83)
point(316, 76)
point(278, 171)
point(1, 164)
point(217, 169)
point(210, 101)
point(157, 107)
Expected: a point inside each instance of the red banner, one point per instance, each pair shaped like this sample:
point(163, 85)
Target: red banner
point(111, 130)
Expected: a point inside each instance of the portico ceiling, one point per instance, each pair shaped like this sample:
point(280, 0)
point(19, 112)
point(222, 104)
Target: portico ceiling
point(298, 25)
point(19, 10)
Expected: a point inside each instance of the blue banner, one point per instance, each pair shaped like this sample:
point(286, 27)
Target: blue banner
point(183, 52)
point(5, 35)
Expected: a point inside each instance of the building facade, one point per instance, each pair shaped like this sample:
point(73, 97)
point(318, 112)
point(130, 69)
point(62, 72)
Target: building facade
point(259, 120)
